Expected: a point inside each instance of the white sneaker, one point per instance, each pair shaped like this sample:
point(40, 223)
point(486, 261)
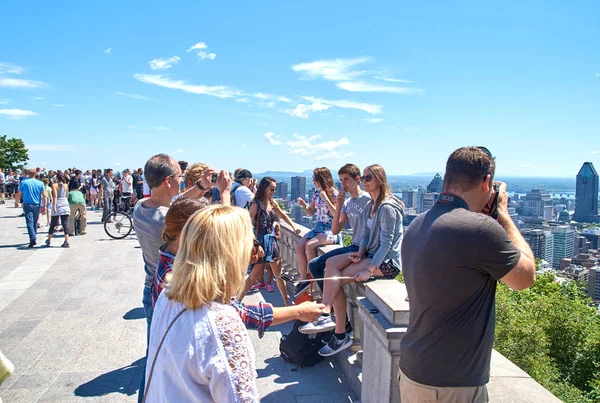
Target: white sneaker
point(324, 323)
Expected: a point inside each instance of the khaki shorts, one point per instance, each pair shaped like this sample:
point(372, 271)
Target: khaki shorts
point(414, 392)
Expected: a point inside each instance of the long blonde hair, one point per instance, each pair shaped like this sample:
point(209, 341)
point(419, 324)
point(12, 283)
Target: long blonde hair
point(384, 189)
point(214, 253)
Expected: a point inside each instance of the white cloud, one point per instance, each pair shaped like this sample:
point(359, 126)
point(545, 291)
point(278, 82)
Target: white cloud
point(393, 80)
point(7, 68)
point(334, 155)
point(4, 102)
point(107, 51)
point(361, 86)
point(243, 100)
point(270, 136)
point(333, 70)
point(199, 46)
point(163, 64)
point(302, 110)
point(178, 152)
point(374, 120)
point(58, 105)
point(206, 55)
point(302, 145)
point(369, 108)
point(53, 147)
point(203, 54)
point(135, 96)
point(595, 152)
point(132, 127)
point(19, 83)
point(17, 113)
point(162, 128)
point(219, 91)
point(37, 98)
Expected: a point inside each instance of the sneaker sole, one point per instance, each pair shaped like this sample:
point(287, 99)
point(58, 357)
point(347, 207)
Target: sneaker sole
point(341, 348)
point(317, 330)
point(297, 294)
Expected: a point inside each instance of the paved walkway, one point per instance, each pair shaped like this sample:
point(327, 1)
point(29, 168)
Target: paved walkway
point(72, 323)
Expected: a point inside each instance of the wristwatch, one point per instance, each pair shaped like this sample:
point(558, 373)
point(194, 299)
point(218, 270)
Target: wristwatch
point(199, 186)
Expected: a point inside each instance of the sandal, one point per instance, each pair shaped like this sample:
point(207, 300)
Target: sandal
point(269, 288)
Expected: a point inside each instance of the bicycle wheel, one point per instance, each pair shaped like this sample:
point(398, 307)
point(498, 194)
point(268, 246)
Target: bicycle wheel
point(118, 225)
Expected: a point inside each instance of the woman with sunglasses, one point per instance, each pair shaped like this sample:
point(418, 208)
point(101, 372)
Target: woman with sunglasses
point(322, 206)
point(264, 212)
point(378, 255)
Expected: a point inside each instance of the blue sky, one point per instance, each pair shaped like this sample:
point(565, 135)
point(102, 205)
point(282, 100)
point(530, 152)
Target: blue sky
point(290, 86)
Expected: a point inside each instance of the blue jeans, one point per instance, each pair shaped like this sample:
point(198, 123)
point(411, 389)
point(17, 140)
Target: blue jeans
point(32, 212)
point(317, 265)
point(149, 309)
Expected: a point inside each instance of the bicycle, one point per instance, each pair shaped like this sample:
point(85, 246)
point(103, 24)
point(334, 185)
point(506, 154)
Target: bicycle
point(119, 223)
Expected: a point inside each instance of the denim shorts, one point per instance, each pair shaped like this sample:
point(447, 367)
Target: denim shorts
point(322, 228)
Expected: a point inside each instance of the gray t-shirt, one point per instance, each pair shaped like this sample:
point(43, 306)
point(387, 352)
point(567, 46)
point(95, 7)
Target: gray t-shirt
point(451, 260)
point(149, 224)
point(354, 208)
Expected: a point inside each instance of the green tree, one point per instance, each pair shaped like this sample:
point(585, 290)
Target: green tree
point(13, 153)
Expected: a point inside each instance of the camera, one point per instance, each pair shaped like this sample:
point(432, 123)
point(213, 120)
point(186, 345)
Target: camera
point(493, 207)
point(213, 177)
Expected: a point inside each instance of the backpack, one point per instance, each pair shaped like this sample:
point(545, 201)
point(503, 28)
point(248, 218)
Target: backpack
point(302, 349)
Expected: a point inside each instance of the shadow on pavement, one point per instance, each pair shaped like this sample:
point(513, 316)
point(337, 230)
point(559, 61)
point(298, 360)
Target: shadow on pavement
point(135, 313)
point(123, 380)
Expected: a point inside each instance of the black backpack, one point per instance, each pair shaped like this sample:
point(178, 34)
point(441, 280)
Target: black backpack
point(302, 349)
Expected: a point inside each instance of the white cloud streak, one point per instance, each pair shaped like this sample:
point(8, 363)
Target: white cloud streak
point(303, 110)
point(206, 55)
point(219, 91)
point(107, 51)
point(135, 96)
point(58, 105)
point(198, 46)
point(203, 54)
point(393, 80)
point(163, 64)
point(37, 98)
point(361, 86)
point(374, 120)
point(595, 152)
point(332, 70)
point(4, 102)
point(8, 82)
point(305, 146)
point(344, 104)
point(162, 128)
point(132, 127)
point(17, 113)
point(7, 68)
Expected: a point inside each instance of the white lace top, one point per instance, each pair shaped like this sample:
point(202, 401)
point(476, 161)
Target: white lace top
point(207, 356)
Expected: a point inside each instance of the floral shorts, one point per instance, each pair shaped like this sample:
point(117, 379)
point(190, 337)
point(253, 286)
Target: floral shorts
point(323, 229)
point(389, 269)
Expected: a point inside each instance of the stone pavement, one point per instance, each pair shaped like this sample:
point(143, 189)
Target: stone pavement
point(71, 321)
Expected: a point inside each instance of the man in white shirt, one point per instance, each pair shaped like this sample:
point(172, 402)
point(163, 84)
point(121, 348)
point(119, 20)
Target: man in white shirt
point(241, 193)
point(127, 189)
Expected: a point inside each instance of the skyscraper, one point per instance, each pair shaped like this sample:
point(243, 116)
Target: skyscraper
point(564, 244)
point(541, 243)
point(435, 186)
point(282, 190)
point(586, 194)
point(298, 187)
point(429, 200)
point(409, 197)
point(594, 283)
point(535, 203)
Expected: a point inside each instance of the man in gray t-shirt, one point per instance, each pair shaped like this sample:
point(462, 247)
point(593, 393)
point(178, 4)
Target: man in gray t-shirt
point(452, 257)
point(347, 210)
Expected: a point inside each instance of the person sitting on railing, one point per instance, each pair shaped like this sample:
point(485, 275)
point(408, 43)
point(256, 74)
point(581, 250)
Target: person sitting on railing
point(322, 206)
point(452, 258)
point(347, 210)
point(378, 255)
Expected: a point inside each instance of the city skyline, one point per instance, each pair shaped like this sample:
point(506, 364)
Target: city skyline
point(277, 87)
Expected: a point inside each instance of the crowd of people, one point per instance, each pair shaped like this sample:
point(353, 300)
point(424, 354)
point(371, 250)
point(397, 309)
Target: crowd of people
point(208, 236)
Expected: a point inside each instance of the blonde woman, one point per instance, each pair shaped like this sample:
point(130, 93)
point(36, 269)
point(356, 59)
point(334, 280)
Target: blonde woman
point(199, 348)
point(378, 255)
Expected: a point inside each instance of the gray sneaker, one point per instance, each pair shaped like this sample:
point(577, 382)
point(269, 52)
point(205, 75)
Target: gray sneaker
point(324, 323)
point(335, 345)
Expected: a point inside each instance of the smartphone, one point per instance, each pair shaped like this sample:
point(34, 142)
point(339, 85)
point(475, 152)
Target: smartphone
point(214, 177)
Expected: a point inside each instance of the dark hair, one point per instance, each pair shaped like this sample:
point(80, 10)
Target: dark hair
point(467, 167)
point(178, 214)
point(261, 191)
point(94, 175)
point(351, 170)
point(323, 177)
point(158, 168)
point(242, 174)
point(78, 172)
point(62, 178)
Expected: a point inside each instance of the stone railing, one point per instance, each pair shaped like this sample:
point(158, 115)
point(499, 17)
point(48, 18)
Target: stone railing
point(379, 314)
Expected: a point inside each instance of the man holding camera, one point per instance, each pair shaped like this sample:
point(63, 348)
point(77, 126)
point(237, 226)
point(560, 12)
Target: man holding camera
point(452, 257)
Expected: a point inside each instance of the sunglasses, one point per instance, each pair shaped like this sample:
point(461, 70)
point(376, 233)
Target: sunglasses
point(366, 178)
